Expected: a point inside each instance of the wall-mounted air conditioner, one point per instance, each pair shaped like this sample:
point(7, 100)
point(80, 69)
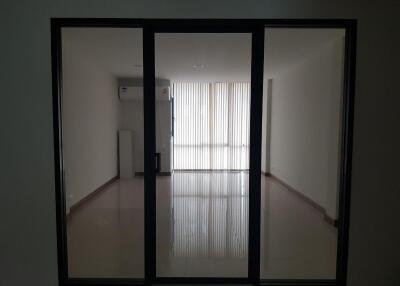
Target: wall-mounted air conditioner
point(136, 93)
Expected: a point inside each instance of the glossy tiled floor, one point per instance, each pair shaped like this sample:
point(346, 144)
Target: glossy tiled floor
point(202, 230)
point(207, 236)
point(296, 241)
point(106, 235)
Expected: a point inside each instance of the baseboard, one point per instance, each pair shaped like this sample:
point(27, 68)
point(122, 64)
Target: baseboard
point(330, 220)
point(140, 174)
point(163, 174)
point(90, 196)
point(306, 199)
point(266, 174)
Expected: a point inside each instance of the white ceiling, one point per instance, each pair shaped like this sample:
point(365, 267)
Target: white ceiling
point(286, 47)
point(196, 57)
point(203, 57)
point(118, 50)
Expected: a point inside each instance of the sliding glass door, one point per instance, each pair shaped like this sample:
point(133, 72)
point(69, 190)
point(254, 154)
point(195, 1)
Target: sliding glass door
point(202, 153)
point(181, 156)
point(102, 128)
point(301, 127)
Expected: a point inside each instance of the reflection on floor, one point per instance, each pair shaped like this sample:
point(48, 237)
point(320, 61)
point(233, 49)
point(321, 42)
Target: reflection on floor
point(106, 234)
point(202, 230)
point(208, 229)
point(296, 241)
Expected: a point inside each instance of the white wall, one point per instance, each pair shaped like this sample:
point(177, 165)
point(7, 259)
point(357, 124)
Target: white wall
point(27, 180)
point(266, 127)
point(305, 125)
point(163, 133)
point(90, 121)
point(132, 119)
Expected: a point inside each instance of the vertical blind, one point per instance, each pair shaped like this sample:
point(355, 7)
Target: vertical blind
point(212, 122)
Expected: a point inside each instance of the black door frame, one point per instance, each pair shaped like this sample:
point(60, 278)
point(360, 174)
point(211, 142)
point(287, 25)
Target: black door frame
point(256, 27)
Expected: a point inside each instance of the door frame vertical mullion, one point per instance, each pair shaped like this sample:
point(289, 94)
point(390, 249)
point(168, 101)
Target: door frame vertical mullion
point(149, 151)
point(257, 78)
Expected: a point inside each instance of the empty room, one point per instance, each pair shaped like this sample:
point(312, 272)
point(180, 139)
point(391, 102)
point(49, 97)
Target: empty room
point(204, 107)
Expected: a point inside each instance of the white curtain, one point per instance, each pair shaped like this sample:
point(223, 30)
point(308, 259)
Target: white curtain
point(211, 130)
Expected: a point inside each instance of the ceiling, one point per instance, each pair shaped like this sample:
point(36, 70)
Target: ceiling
point(286, 47)
point(117, 50)
point(203, 57)
point(195, 57)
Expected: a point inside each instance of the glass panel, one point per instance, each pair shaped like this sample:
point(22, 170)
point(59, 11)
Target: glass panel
point(102, 114)
point(303, 74)
point(203, 119)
